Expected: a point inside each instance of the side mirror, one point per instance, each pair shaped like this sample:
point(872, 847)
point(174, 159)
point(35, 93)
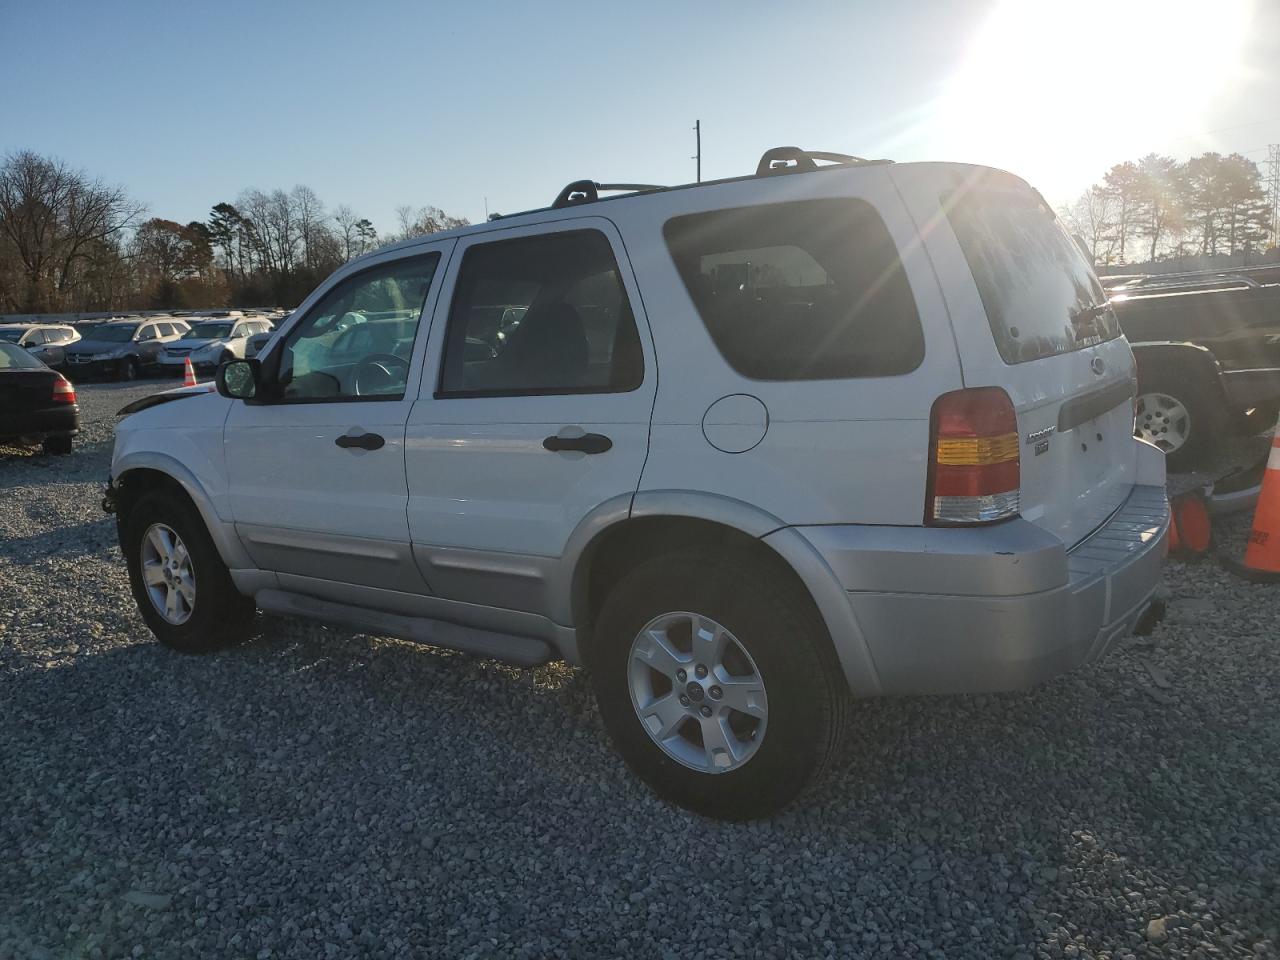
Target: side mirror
point(238, 379)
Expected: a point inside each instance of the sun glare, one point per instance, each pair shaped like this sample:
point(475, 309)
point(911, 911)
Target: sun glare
point(1057, 92)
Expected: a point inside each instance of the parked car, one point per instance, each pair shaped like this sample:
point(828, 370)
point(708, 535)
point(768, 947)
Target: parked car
point(1208, 351)
point(211, 342)
point(37, 405)
point(754, 446)
point(124, 349)
point(47, 342)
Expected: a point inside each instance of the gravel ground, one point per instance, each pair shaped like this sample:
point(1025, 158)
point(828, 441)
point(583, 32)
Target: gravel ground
point(319, 794)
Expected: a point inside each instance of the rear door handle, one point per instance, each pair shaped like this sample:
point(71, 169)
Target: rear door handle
point(587, 443)
point(364, 441)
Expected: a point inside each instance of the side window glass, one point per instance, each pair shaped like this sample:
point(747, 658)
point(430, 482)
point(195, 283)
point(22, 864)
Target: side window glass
point(358, 340)
point(36, 338)
point(164, 330)
point(546, 314)
point(804, 290)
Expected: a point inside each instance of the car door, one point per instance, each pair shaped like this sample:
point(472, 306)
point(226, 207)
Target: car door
point(315, 464)
point(147, 343)
point(538, 414)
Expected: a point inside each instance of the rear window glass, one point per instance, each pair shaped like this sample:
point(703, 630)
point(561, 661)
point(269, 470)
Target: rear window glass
point(1040, 294)
point(807, 290)
point(15, 358)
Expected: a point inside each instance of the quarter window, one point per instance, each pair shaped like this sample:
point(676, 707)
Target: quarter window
point(358, 340)
point(807, 290)
point(541, 315)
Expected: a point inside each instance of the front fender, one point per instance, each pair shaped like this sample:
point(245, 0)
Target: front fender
point(221, 530)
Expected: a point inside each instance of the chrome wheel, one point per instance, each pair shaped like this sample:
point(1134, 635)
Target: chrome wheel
point(697, 692)
point(1163, 420)
point(168, 574)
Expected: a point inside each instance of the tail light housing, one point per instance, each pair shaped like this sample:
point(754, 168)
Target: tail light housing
point(63, 391)
point(974, 465)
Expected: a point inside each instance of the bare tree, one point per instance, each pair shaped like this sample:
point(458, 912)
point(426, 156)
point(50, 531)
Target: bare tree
point(1091, 218)
point(424, 220)
point(58, 222)
point(308, 214)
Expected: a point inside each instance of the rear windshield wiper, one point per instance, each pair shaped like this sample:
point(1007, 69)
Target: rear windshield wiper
point(1085, 320)
point(1085, 314)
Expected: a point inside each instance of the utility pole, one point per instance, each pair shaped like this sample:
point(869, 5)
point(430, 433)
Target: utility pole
point(697, 136)
point(1273, 190)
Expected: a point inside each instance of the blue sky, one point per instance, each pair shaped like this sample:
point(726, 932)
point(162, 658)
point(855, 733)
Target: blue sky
point(376, 104)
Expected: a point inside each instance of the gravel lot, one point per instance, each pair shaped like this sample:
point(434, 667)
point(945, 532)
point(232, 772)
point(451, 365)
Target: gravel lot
point(319, 794)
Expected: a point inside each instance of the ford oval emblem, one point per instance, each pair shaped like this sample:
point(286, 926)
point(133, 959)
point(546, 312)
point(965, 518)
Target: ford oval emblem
point(1098, 365)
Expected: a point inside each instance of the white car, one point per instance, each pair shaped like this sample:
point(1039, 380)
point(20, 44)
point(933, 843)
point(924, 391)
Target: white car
point(751, 447)
point(211, 342)
point(46, 342)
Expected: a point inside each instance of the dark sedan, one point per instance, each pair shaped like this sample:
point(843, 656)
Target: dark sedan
point(123, 349)
point(36, 403)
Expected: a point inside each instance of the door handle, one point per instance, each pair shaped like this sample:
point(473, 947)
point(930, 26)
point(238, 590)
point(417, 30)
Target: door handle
point(587, 443)
point(364, 441)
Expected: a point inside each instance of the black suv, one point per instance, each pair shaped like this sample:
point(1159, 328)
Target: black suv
point(1208, 351)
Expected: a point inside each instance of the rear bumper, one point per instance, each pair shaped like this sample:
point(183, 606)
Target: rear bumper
point(994, 608)
point(63, 420)
point(1247, 388)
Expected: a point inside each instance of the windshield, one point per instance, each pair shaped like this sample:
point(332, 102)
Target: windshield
point(110, 333)
point(15, 358)
point(12, 336)
point(208, 331)
point(1036, 286)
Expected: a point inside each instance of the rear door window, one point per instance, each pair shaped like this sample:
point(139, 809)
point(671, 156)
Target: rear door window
point(806, 290)
point(1040, 294)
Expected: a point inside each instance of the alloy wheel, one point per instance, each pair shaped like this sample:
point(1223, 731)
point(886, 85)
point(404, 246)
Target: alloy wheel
point(1163, 420)
point(168, 574)
point(697, 692)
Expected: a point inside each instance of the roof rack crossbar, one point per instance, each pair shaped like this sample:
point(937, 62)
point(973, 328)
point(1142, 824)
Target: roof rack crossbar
point(588, 191)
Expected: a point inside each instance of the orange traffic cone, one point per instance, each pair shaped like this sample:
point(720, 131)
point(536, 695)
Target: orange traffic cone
point(1190, 530)
point(1262, 555)
point(188, 374)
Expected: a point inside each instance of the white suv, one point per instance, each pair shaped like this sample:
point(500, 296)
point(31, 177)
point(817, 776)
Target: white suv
point(743, 448)
point(211, 342)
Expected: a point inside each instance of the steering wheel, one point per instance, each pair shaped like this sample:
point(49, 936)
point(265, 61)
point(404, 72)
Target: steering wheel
point(377, 372)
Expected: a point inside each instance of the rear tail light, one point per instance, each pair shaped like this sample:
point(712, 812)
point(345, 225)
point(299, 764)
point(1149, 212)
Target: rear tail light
point(63, 391)
point(974, 470)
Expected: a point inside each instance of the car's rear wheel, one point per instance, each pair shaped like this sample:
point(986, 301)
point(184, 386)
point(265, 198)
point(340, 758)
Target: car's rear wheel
point(717, 683)
point(1179, 414)
point(183, 589)
point(57, 446)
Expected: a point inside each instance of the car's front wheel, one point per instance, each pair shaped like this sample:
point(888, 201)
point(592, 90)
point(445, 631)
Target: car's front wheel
point(717, 683)
point(128, 369)
point(183, 589)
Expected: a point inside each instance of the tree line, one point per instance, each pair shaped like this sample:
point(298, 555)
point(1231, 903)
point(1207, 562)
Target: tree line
point(71, 243)
point(1159, 208)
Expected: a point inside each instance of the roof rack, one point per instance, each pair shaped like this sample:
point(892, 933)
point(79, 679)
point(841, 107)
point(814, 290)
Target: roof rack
point(588, 191)
point(794, 160)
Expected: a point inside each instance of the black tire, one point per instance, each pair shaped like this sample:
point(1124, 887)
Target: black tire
point(221, 615)
point(779, 628)
point(128, 369)
point(57, 446)
point(1206, 413)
